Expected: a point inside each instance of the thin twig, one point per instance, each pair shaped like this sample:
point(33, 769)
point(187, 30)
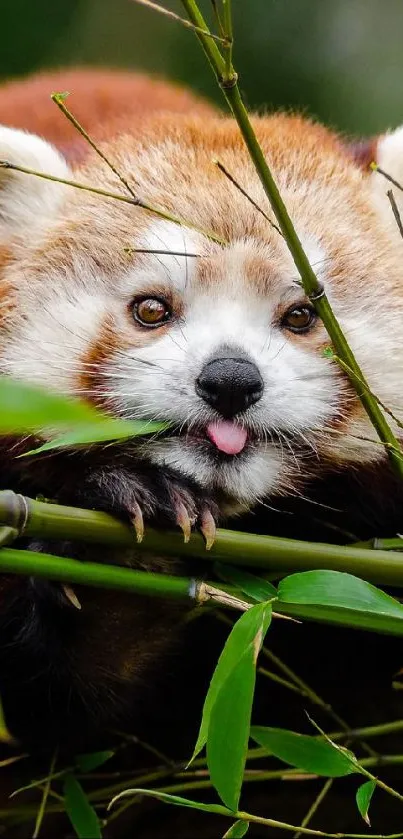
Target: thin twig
point(129, 250)
point(375, 168)
point(246, 195)
point(227, 24)
point(155, 6)
point(58, 99)
point(395, 210)
point(355, 763)
point(117, 196)
point(45, 796)
point(314, 806)
point(217, 17)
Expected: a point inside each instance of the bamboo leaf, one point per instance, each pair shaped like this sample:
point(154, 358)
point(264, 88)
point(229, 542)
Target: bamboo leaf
point(255, 587)
point(336, 588)
point(363, 798)
point(343, 598)
point(304, 752)
point(237, 830)
point(101, 431)
point(228, 733)
point(79, 810)
point(255, 620)
point(172, 799)
point(90, 761)
point(25, 408)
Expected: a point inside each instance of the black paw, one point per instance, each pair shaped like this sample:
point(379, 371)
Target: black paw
point(164, 498)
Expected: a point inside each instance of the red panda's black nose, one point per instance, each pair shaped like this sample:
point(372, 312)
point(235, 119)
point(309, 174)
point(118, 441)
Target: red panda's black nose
point(230, 383)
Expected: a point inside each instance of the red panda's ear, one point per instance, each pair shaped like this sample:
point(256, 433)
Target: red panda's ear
point(388, 156)
point(27, 201)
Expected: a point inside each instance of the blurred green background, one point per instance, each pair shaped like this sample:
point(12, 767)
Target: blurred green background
point(341, 60)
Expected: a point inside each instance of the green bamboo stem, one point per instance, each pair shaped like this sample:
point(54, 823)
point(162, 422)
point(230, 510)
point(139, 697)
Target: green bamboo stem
point(52, 521)
point(93, 574)
point(227, 80)
point(377, 544)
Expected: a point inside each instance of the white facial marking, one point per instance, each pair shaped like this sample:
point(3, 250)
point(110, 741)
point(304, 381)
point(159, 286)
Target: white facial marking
point(47, 349)
point(167, 265)
point(300, 389)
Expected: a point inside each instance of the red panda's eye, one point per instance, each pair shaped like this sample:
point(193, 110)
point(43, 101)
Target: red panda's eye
point(151, 311)
point(299, 319)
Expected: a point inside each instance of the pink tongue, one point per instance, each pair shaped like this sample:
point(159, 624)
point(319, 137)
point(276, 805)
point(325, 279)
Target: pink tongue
point(227, 436)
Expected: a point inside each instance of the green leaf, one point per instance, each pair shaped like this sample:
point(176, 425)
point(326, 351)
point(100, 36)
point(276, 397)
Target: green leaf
point(363, 798)
point(173, 799)
point(79, 810)
point(237, 830)
point(25, 408)
point(304, 752)
point(255, 587)
point(341, 598)
point(101, 431)
point(90, 761)
point(5, 734)
point(228, 733)
point(256, 620)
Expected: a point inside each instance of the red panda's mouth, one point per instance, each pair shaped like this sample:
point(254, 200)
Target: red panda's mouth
point(227, 436)
point(222, 437)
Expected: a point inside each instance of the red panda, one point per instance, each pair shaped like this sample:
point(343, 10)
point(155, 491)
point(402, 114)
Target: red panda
point(211, 332)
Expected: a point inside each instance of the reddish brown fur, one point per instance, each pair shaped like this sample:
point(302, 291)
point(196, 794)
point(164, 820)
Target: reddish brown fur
point(99, 98)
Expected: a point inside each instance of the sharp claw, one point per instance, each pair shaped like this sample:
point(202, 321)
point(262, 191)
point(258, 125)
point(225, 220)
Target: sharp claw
point(138, 522)
point(208, 528)
point(183, 520)
point(71, 596)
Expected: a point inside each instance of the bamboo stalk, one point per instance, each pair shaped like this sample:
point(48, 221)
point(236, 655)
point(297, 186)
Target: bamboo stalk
point(38, 519)
point(227, 79)
point(94, 574)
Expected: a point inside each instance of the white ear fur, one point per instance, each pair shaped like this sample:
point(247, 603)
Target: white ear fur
point(25, 200)
point(389, 157)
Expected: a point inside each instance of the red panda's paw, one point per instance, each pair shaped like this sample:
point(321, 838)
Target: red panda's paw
point(161, 497)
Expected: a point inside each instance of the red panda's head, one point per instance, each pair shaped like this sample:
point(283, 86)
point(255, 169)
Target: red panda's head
point(151, 318)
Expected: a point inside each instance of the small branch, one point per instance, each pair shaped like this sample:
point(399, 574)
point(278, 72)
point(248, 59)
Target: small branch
point(44, 799)
point(375, 168)
point(227, 24)
point(204, 593)
point(395, 211)
point(314, 806)
point(130, 251)
point(58, 99)
point(150, 5)
point(217, 17)
point(250, 817)
point(358, 765)
point(117, 196)
point(251, 200)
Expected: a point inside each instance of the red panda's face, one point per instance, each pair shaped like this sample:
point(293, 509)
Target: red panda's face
point(152, 319)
